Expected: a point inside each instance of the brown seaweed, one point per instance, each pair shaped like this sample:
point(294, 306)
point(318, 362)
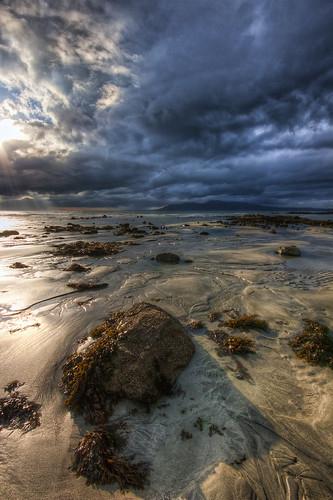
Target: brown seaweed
point(314, 344)
point(97, 459)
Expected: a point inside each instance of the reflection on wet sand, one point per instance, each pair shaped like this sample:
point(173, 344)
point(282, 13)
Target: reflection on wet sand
point(273, 410)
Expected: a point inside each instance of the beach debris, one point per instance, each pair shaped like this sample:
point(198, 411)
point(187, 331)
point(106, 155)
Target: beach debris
point(232, 344)
point(167, 258)
point(90, 248)
point(138, 356)
point(13, 386)
point(247, 322)
point(185, 435)
point(188, 261)
point(8, 232)
point(97, 459)
point(18, 265)
point(82, 286)
point(77, 268)
point(289, 251)
point(195, 324)
point(214, 316)
point(199, 424)
point(314, 344)
point(16, 411)
point(214, 429)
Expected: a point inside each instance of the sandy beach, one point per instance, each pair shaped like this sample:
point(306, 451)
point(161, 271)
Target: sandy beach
point(274, 411)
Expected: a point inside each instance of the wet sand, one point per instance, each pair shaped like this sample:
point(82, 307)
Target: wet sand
point(277, 420)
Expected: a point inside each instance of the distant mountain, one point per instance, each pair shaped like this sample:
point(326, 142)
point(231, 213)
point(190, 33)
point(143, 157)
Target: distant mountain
point(215, 206)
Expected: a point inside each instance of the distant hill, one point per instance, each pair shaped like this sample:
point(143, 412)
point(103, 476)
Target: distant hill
point(215, 206)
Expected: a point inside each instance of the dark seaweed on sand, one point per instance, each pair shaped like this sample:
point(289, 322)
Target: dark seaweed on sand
point(232, 344)
point(16, 411)
point(314, 344)
point(247, 322)
point(97, 459)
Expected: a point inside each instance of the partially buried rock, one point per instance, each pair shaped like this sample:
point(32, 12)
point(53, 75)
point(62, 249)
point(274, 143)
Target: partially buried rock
point(289, 251)
point(18, 265)
point(138, 357)
point(81, 286)
point(77, 268)
point(8, 232)
point(167, 258)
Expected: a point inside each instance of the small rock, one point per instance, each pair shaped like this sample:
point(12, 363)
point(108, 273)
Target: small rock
point(167, 258)
point(18, 265)
point(8, 232)
point(77, 268)
point(289, 251)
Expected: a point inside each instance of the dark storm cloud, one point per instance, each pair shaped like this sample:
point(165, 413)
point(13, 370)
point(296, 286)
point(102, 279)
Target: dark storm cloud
point(156, 101)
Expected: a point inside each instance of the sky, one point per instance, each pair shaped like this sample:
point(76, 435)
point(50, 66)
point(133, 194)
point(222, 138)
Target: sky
point(141, 103)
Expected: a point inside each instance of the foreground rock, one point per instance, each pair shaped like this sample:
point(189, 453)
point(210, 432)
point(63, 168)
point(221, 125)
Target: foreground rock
point(167, 258)
point(138, 356)
point(289, 251)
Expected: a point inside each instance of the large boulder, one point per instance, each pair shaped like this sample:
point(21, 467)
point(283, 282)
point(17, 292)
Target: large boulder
point(137, 355)
point(152, 350)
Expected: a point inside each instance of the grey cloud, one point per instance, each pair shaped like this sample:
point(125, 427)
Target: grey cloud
point(172, 100)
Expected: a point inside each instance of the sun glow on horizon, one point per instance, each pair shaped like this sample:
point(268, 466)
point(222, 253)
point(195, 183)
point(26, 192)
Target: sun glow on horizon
point(10, 130)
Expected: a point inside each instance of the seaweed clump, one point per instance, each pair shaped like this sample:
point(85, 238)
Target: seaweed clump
point(16, 411)
point(90, 248)
point(232, 344)
point(314, 344)
point(247, 322)
point(82, 379)
point(195, 324)
point(97, 459)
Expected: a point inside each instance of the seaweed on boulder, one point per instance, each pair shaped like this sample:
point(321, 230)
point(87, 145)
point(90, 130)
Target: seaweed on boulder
point(137, 355)
point(97, 459)
point(314, 344)
point(82, 379)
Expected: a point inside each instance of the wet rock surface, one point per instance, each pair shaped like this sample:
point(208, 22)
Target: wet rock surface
point(8, 232)
point(138, 356)
point(77, 268)
point(18, 265)
point(167, 258)
point(289, 251)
